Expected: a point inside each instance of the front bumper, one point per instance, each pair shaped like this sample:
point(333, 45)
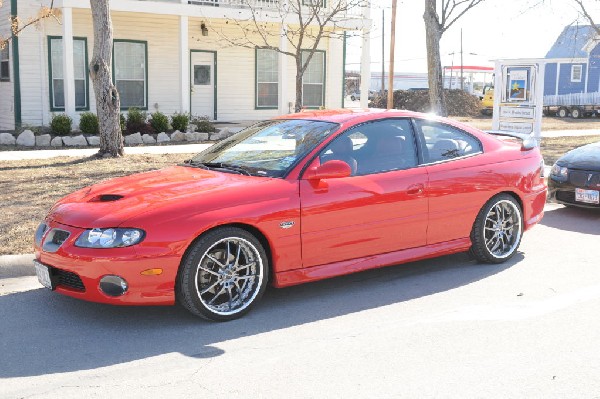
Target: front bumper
point(563, 192)
point(77, 272)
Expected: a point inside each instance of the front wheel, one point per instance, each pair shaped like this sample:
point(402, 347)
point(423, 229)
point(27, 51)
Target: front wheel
point(497, 231)
point(223, 275)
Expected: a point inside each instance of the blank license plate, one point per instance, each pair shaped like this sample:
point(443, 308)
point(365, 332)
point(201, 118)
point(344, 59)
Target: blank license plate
point(587, 196)
point(43, 274)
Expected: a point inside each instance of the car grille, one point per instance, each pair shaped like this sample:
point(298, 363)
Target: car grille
point(568, 197)
point(68, 279)
point(580, 178)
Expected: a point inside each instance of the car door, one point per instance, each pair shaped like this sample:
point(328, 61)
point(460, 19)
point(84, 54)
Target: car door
point(380, 208)
point(458, 184)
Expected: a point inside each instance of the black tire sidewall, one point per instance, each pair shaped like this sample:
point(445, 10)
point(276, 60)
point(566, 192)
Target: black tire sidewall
point(186, 288)
point(479, 250)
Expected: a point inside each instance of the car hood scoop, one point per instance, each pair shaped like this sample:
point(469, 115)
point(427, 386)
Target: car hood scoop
point(113, 202)
point(106, 198)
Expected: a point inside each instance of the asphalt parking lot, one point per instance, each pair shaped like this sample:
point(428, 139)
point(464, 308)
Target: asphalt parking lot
point(446, 327)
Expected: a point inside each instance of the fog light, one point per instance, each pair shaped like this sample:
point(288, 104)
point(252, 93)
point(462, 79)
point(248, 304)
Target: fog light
point(113, 285)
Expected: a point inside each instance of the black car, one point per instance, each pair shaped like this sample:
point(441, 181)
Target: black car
point(575, 177)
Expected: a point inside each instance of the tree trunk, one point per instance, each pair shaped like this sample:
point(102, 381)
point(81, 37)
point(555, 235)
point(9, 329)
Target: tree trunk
point(108, 104)
point(433, 31)
point(299, 75)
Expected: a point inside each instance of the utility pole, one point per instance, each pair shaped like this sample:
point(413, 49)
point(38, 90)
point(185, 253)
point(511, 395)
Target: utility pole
point(382, 51)
point(462, 82)
point(390, 99)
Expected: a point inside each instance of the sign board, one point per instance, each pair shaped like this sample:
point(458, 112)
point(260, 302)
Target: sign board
point(517, 112)
point(517, 127)
point(518, 96)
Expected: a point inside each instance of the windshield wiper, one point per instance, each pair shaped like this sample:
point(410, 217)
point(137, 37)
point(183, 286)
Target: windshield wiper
point(219, 165)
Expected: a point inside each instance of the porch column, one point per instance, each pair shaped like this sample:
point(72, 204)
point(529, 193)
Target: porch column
point(365, 63)
point(184, 63)
point(282, 78)
point(68, 68)
point(335, 64)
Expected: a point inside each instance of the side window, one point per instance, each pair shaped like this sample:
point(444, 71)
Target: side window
point(444, 142)
point(375, 147)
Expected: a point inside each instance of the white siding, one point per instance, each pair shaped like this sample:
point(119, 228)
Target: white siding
point(235, 66)
point(7, 116)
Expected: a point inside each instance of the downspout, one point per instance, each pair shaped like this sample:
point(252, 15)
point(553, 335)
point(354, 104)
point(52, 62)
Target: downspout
point(16, 75)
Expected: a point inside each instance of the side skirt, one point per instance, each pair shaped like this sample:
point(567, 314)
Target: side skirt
point(315, 273)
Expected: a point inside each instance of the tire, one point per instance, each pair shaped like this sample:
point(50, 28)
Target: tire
point(562, 112)
point(352, 98)
point(576, 113)
point(497, 230)
point(223, 275)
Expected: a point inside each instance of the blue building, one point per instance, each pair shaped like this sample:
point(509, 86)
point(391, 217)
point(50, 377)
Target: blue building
point(573, 62)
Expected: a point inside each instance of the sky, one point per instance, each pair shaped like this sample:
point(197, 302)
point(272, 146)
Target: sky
point(495, 29)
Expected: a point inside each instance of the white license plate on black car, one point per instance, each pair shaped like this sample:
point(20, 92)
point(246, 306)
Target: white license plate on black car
point(43, 274)
point(587, 196)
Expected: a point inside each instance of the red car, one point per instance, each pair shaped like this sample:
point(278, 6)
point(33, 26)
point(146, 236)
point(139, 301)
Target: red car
point(291, 200)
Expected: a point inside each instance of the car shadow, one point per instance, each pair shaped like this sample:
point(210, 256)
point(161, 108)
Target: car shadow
point(44, 333)
point(579, 220)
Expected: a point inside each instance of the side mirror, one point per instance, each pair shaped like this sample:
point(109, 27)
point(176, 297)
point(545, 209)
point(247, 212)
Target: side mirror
point(329, 170)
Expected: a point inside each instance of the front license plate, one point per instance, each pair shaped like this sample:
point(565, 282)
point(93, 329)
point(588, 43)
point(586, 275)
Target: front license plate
point(587, 196)
point(43, 274)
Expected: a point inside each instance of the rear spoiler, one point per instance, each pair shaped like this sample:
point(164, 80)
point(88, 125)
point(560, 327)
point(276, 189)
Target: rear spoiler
point(529, 142)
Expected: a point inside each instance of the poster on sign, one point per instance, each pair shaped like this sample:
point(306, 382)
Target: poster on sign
point(517, 85)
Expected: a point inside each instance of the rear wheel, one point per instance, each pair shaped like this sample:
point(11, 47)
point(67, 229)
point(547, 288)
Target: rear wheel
point(223, 275)
point(497, 231)
point(562, 112)
point(576, 113)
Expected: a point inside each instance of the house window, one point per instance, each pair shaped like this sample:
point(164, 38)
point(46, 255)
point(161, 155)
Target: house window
point(314, 3)
point(4, 66)
point(57, 84)
point(313, 80)
point(576, 71)
point(267, 78)
point(131, 73)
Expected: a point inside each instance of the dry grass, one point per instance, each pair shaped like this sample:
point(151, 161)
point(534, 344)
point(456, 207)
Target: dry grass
point(554, 147)
point(548, 123)
point(29, 188)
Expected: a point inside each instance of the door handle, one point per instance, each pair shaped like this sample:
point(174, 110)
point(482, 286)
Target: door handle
point(415, 189)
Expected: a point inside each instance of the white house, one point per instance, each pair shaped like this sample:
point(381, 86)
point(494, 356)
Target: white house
point(165, 58)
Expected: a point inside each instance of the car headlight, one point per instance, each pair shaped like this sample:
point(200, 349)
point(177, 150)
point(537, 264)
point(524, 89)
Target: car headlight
point(559, 171)
point(109, 238)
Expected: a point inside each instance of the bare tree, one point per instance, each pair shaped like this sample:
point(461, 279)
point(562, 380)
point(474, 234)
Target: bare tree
point(108, 103)
point(17, 25)
point(587, 15)
point(435, 26)
point(305, 23)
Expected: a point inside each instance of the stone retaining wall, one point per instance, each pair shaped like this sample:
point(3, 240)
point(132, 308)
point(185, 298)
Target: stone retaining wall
point(28, 139)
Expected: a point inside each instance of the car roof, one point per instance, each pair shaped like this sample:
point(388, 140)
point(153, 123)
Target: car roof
point(345, 115)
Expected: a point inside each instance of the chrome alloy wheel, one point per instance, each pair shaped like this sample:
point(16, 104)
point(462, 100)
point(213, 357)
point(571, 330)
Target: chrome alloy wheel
point(502, 230)
point(229, 276)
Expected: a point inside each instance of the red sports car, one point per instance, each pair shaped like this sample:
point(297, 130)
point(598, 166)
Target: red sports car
point(291, 200)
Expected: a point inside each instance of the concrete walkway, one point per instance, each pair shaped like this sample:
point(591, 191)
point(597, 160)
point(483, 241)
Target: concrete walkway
point(86, 152)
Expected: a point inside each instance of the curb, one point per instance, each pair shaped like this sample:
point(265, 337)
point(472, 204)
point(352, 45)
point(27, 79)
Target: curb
point(16, 266)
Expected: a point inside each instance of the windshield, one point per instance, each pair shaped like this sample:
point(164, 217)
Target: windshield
point(269, 148)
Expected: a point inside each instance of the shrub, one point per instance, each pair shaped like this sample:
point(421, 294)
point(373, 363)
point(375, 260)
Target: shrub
point(159, 122)
point(203, 125)
point(61, 124)
point(180, 122)
point(122, 122)
point(88, 123)
point(136, 122)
